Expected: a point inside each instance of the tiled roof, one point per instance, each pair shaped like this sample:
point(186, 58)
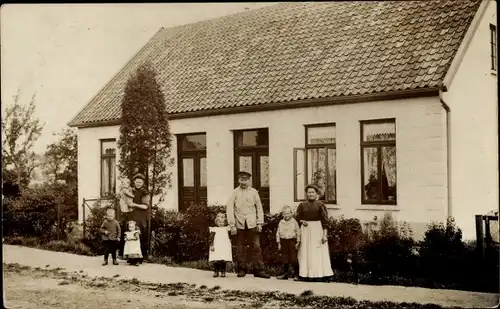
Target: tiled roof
point(296, 51)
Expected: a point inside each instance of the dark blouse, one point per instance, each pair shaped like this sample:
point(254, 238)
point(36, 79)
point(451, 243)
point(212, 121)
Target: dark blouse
point(140, 216)
point(312, 211)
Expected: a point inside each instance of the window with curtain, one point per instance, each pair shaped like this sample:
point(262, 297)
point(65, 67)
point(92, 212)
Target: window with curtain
point(316, 163)
point(108, 167)
point(378, 161)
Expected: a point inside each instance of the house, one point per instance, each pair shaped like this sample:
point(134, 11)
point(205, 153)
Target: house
point(388, 106)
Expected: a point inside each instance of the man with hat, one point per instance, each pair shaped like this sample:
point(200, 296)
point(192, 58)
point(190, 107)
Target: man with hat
point(139, 211)
point(245, 216)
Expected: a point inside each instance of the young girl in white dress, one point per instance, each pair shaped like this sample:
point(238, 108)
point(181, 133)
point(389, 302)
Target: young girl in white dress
point(220, 245)
point(132, 250)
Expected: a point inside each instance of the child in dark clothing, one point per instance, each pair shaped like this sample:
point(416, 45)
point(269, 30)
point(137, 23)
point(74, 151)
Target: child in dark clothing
point(111, 232)
point(288, 239)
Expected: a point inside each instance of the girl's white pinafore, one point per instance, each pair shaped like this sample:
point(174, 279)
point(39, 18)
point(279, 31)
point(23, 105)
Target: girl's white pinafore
point(222, 245)
point(132, 249)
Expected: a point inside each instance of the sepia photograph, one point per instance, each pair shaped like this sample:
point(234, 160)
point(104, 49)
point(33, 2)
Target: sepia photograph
point(330, 154)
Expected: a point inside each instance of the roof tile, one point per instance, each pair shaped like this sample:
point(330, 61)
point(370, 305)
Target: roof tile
point(293, 51)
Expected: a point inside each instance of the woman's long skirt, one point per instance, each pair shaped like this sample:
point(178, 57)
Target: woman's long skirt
point(314, 257)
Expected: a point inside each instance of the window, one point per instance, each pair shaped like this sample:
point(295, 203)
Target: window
point(493, 43)
point(108, 167)
point(316, 163)
point(378, 161)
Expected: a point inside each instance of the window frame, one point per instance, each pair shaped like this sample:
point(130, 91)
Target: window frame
point(181, 137)
point(493, 48)
point(103, 157)
point(236, 135)
point(378, 145)
point(306, 169)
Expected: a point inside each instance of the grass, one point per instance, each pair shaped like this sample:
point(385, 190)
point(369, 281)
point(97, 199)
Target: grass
point(70, 246)
point(306, 299)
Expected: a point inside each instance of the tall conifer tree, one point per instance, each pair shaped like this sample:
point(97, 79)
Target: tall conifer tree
point(145, 137)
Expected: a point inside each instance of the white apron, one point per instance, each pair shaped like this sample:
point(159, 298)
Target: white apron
point(222, 245)
point(313, 256)
point(132, 249)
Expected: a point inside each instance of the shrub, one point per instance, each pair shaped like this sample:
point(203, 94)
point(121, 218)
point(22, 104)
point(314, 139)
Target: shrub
point(69, 246)
point(34, 213)
point(447, 261)
point(345, 237)
point(270, 253)
point(22, 241)
point(166, 230)
point(442, 252)
point(389, 250)
point(385, 252)
point(93, 225)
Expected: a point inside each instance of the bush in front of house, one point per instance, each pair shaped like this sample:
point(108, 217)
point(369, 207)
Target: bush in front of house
point(93, 236)
point(384, 250)
point(446, 261)
point(70, 246)
point(388, 250)
point(34, 213)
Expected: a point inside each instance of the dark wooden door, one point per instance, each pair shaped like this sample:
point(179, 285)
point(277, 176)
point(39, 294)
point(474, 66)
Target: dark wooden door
point(254, 158)
point(192, 172)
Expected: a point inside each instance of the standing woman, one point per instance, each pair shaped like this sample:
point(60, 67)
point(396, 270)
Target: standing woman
point(314, 256)
point(139, 212)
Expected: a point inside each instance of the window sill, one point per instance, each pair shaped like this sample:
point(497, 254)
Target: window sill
point(332, 206)
point(379, 207)
point(493, 72)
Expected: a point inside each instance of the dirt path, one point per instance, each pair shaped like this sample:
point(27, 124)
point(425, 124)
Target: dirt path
point(154, 273)
point(29, 290)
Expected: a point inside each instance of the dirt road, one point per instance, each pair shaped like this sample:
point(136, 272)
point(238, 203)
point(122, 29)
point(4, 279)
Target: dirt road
point(232, 292)
point(27, 289)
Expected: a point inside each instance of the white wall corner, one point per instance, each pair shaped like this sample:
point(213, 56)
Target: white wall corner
point(459, 56)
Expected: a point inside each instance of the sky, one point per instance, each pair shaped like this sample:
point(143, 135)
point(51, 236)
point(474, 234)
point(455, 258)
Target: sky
point(65, 53)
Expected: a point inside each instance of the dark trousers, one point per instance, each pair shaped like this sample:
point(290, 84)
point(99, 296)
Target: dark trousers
point(289, 255)
point(253, 254)
point(110, 246)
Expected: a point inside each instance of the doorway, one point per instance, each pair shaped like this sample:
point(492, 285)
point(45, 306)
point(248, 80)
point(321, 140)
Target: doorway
point(192, 158)
point(251, 154)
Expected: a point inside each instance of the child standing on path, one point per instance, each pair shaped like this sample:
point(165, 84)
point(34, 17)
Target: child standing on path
point(111, 231)
point(132, 249)
point(288, 239)
point(220, 245)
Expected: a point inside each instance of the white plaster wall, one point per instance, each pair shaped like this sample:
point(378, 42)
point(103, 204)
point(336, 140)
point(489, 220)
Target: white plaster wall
point(89, 163)
point(473, 101)
point(421, 156)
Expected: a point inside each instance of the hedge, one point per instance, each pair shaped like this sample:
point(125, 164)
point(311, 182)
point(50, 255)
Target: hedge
point(384, 252)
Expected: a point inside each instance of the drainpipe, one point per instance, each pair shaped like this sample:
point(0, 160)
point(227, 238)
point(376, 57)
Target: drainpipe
point(448, 148)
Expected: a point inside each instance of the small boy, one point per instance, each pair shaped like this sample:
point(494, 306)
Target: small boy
point(288, 239)
point(126, 196)
point(111, 232)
